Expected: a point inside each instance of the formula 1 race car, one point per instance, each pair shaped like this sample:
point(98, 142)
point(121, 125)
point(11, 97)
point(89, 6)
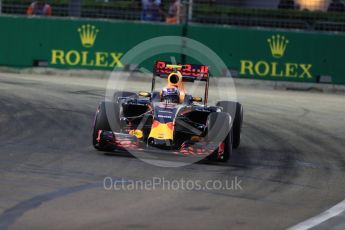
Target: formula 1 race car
point(169, 119)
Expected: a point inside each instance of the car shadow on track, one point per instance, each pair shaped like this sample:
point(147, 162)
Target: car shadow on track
point(237, 160)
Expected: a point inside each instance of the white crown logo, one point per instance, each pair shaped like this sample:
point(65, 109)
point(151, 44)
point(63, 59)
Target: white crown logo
point(278, 45)
point(88, 35)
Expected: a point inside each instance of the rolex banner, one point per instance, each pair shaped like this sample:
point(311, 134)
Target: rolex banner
point(100, 44)
point(276, 54)
point(84, 57)
point(72, 44)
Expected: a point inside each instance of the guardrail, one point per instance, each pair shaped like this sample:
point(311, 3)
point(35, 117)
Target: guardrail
point(248, 53)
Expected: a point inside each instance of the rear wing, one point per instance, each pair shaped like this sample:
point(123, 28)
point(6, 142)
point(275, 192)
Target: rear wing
point(190, 72)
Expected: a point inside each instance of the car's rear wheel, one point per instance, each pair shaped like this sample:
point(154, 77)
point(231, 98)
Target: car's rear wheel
point(235, 110)
point(219, 132)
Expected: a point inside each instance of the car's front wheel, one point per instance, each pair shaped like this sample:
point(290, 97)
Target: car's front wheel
point(101, 122)
point(235, 109)
point(219, 132)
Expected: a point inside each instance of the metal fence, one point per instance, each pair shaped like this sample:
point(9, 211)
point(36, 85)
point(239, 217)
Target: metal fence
point(324, 15)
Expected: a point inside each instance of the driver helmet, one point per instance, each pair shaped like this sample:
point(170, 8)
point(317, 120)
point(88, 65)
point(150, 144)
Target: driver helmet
point(170, 95)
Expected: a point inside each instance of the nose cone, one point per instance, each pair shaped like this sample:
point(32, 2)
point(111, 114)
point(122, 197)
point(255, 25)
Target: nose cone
point(162, 131)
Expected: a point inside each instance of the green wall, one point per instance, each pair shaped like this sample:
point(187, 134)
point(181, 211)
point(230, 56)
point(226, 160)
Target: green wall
point(58, 41)
point(306, 56)
point(302, 56)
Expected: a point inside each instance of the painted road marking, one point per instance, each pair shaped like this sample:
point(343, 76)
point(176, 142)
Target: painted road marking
point(322, 217)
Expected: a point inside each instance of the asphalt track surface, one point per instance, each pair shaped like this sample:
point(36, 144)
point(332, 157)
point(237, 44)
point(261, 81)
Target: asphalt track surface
point(290, 165)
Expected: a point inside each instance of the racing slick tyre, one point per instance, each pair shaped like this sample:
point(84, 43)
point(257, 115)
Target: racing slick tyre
point(219, 131)
point(235, 110)
point(101, 122)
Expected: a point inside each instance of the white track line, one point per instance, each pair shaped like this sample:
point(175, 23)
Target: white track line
point(316, 220)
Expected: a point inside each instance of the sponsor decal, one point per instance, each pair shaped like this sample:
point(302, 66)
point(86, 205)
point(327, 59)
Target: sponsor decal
point(164, 116)
point(278, 45)
point(85, 57)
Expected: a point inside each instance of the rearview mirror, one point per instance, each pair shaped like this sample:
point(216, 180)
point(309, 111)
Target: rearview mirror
point(144, 94)
point(197, 99)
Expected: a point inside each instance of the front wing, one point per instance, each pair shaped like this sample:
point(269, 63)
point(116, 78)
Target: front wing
point(129, 143)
